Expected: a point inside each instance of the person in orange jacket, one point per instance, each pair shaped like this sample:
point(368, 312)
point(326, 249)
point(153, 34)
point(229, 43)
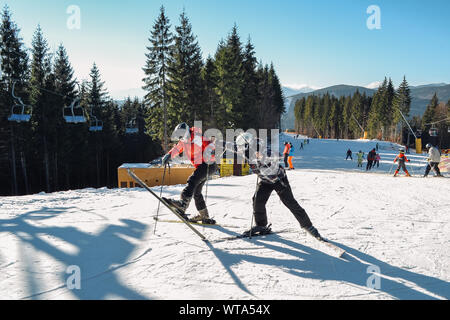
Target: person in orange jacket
point(291, 156)
point(201, 152)
point(287, 150)
point(401, 158)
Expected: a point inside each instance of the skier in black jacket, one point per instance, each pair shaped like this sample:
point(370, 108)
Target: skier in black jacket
point(272, 177)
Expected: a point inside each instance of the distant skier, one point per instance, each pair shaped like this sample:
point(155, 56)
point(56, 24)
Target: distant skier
point(287, 149)
point(291, 157)
point(192, 143)
point(401, 158)
point(272, 177)
point(349, 154)
point(377, 160)
point(301, 146)
point(370, 159)
point(434, 158)
point(360, 155)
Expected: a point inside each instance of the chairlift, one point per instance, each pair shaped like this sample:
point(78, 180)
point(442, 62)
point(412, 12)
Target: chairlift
point(95, 125)
point(20, 112)
point(433, 131)
point(132, 127)
point(74, 113)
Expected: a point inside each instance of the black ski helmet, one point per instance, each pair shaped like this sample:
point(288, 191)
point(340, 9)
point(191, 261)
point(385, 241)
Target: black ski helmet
point(181, 133)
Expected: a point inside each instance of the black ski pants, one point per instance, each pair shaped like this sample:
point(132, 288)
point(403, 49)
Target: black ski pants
point(433, 165)
point(195, 184)
point(284, 191)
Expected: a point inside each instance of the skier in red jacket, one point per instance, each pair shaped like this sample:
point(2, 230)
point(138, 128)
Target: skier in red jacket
point(401, 158)
point(200, 151)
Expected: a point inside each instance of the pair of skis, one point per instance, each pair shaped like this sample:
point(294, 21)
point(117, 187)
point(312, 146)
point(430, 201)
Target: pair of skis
point(336, 249)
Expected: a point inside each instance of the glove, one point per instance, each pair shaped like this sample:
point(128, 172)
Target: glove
point(166, 159)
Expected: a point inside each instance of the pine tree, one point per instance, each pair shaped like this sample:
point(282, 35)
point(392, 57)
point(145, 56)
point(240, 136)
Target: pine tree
point(186, 91)
point(66, 92)
point(429, 115)
point(230, 83)
point(250, 90)
point(156, 80)
point(96, 103)
point(210, 83)
point(278, 98)
point(402, 104)
point(14, 138)
point(39, 98)
point(347, 116)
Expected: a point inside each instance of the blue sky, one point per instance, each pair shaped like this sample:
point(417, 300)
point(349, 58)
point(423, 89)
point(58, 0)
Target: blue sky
point(314, 43)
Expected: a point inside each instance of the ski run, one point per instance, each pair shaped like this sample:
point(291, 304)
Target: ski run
point(395, 232)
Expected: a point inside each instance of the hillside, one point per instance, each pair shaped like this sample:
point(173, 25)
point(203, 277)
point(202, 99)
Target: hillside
point(421, 96)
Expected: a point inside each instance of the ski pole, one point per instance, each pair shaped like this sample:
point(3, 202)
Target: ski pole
point(207, 182)
point(390, 171)
point(253, 216)
point(160, 195)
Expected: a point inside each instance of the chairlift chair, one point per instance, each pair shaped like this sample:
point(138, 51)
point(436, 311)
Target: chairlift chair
point(74, 113)
point(95, 125)
point(20, 112)
point(131, 127)
point(434, 132)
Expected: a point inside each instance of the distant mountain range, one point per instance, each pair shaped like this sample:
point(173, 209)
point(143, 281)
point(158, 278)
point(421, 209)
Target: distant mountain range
point(421, 96)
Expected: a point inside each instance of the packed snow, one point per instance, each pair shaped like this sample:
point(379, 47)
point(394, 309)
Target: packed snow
point(395, 231)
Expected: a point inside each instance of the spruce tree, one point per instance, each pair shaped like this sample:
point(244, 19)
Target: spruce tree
point(185, 91)
point(14, 138)
point(429, 115)
point(250, 90)
point(156, 80)
point(230, 83)
point(209, 77)
point(66, 92)
point(277, 98)
point(39, 98)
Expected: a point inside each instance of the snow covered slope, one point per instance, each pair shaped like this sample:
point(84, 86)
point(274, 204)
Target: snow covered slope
point(397, 227)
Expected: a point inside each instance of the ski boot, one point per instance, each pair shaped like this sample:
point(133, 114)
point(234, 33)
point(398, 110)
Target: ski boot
point(258, 231)
point(313, 232)
point(203, 217)
point(179, 205)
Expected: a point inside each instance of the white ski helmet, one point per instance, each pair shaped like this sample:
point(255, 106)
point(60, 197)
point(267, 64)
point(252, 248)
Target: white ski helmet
point(181, 133)
point(428, 146)
point(245, 138)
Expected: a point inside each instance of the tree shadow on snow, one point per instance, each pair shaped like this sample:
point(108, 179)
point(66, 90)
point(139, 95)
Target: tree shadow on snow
point(351, 269)
point(97, 255)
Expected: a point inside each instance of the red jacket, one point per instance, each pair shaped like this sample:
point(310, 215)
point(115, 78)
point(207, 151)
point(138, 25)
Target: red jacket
point(287, 149)
point(401, 157)
point(198, 149)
